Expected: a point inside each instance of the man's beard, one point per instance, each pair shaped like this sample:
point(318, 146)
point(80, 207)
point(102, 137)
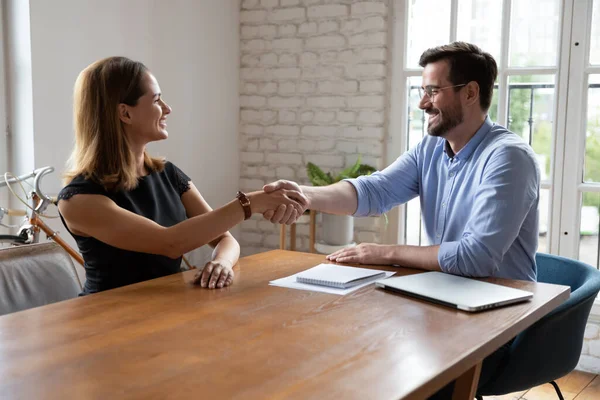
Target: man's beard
point(448, 119)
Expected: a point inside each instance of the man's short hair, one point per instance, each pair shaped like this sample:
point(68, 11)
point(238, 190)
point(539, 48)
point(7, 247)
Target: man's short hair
point(467, 63)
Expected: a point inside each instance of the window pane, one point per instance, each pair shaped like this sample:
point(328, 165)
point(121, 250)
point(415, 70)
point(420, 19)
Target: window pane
point(493, 111)
point(591, 169)
point(544, 208)
point(413, 229)
point(428, 26)
point(595, 38)
point(534, 33)
point(588, 230)
point(531, 106)
point(417, 123)
point(479, 23)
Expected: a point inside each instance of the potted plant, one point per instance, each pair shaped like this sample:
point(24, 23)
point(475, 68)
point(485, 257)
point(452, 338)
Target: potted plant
point(337, 230)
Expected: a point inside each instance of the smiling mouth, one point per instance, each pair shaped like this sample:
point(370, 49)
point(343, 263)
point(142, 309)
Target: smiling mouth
point(163, 123)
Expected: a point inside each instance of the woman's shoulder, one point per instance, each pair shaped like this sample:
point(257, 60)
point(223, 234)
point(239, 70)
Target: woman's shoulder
point(179, 178)
point(80, 185)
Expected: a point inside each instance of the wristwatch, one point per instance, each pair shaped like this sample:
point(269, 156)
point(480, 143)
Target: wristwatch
point(245, 202)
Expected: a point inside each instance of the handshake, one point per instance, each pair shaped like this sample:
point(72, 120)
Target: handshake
point(281, 202)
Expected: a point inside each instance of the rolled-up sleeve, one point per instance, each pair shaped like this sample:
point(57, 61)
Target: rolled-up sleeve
point(379, 192)
point(508, 191)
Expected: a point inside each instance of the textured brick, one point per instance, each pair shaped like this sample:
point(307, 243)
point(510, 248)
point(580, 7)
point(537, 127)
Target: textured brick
point(252, 101)
point(307, 116)
point(269, 3)
point(328, 11)
point(282, 130)
point(339, 87)
point(287, 88)
point(287, 30)
point(326, 102)
point(324, 116)
point(372, 86)
point(248, 31)
point(286, 102)
point(368, 38)
point(289, 44)
point(248, 129)
point(268, 88)
point(368, 7)
point(252, 157)
point(254, 45)
point(247, 4)
point(287, 14)
point(306, 87)
point(308, 28)
point(285, 173)
point(324, 42)
point(346, 117)
point(373, 23)
point(249, 60)
point(253, 16)
point(251, 184)
point(287, 3)
point(284, 158)
point(252, 237)
point(288, 59)
point(321, 72)
point(328, 27)
point(325, 160)
point(267, 144)
point(366, 102)
point(286, 116)
point(308, 59)
point(320, 131)
point(285, 73)
point(371, 117)
point(362, 132)
point(366, 70)
point(250, 88)
point(373, 54)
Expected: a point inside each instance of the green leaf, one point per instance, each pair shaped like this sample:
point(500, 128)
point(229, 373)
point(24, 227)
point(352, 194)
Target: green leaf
point(365, 169)
point(317, 176)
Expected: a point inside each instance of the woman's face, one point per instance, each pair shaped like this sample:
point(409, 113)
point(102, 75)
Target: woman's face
point(148, 118)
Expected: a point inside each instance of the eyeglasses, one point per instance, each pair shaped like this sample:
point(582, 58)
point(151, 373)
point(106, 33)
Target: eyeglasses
point(431, 91)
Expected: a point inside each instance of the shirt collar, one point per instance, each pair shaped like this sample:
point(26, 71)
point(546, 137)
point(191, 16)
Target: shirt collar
point(472, 144)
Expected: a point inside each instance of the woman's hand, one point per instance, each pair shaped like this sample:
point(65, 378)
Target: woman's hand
point(215, 274)
point(287, 204)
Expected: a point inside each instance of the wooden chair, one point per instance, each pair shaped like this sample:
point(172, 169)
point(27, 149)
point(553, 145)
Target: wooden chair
point(311, 239)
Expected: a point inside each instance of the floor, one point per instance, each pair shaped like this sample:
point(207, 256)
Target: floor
point(575, 386)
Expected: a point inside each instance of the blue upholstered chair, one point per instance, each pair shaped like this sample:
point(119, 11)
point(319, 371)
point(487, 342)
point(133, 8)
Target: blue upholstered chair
point(550, 348)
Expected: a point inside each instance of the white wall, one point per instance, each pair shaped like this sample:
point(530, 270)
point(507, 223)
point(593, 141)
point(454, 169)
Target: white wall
point(192, 47)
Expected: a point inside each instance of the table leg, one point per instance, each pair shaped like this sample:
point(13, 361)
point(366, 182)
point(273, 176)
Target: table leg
point(466, 384)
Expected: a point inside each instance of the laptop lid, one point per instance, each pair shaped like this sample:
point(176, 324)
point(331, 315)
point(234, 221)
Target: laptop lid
point(455, 291)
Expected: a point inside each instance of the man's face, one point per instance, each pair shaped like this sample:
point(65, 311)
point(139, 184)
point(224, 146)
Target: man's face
point(440, 101)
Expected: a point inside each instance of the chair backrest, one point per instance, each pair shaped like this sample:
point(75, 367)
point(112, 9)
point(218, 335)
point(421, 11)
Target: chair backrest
point(551, 347)
point(35, 275)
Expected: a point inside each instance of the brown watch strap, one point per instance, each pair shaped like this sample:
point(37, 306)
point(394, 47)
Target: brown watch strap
point(245, 202)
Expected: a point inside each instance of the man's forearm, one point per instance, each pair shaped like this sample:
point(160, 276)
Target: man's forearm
point(421, 257)
point(339, 198)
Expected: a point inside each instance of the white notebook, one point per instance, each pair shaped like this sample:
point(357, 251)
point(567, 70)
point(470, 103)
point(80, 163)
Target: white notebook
point(338, 276)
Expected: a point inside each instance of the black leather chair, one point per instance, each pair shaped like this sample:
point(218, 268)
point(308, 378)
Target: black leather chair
point(550, 348)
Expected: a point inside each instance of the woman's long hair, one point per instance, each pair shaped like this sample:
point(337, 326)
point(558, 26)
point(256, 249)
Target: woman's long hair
point(102, 152)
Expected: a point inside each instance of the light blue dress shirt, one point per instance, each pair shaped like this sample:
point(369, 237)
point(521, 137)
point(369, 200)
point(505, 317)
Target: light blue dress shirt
point(481, 206)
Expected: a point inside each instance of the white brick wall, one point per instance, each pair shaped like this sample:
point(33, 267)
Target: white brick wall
point(313, 88)
point(590, 354)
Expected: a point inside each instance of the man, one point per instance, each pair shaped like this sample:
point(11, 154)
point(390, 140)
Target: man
point(477, 182)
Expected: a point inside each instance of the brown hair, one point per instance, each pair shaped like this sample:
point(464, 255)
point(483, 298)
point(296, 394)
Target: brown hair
point(102, 152)
point(467, 63)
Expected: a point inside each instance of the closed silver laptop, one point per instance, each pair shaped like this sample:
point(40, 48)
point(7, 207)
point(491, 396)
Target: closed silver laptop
point(455, 291)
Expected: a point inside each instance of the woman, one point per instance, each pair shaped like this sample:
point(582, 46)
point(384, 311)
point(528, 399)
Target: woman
point(134, 216)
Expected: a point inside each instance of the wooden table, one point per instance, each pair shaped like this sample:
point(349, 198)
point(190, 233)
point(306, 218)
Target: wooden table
point(168, 339)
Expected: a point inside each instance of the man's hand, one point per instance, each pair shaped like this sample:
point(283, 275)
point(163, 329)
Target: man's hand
point(364, 253)
point(283, 215)
point(216, 274)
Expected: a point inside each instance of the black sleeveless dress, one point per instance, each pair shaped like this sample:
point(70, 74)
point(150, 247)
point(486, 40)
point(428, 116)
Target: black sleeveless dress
point(157, 197)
